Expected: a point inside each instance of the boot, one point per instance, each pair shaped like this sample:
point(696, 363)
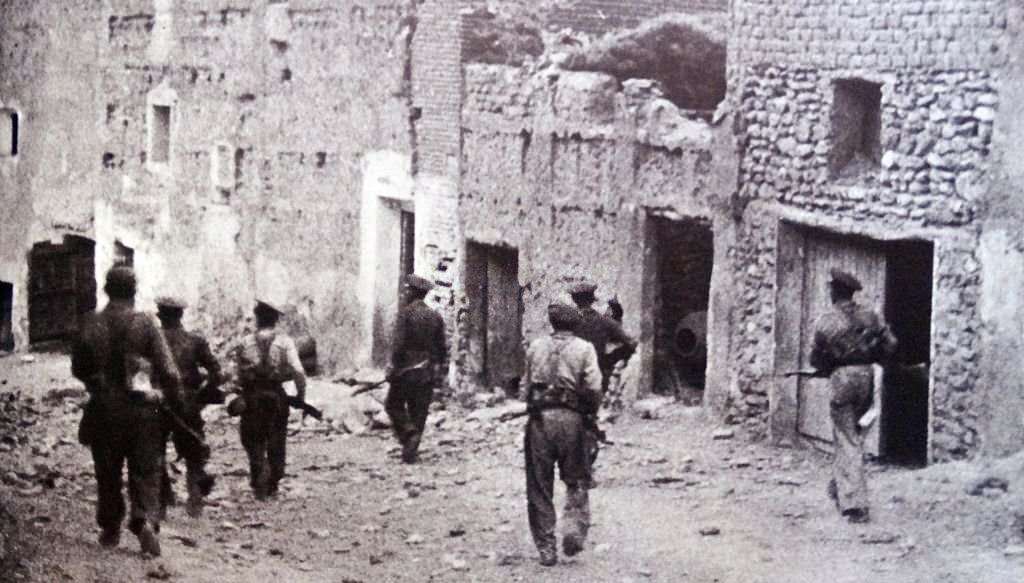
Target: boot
point(110, 537)
point(149, 541)
point(410, 448)
point(571, 545)
point(548, 558)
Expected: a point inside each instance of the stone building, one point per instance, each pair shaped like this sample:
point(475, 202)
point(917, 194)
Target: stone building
point(704, 161)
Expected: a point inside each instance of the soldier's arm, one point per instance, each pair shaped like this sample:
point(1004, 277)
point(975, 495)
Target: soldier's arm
point(398, 343)
point(206, 359)
point(159, 355)
point(439, 343)
point(889, 342)
point(618, 335)
point(590, 379)
point(525, 381)
point(298, 374)
point(820, 358)
point(83, 361)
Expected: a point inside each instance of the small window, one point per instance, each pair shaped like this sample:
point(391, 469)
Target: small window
point(160, 136)
point(856, 128)
point(124, 256)
point(9, 132)
point(223, 171)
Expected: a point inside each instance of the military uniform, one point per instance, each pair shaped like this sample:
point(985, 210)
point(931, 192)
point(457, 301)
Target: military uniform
point(419, 337)
point(264, 420)
point(121, 424)
point(847, 340)
point(562, 384)
point(191, 352)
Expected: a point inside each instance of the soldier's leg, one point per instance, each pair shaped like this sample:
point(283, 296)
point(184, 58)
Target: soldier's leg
point(848, 465)
point(108, 461)
point(145, 472)
point(254, 440)
point(540, 482)
point(277, 444)
point(575, 470)
point(419, 410)
point(396, 406)
point(197, 481)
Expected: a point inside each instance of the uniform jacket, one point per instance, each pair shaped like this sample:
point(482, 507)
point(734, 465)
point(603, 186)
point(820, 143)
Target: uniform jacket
point(419, 335)
point(564, 362)
point(849, 335)
point(192, 352)
point(599, 330)
point(112, 347)
point(283, 356)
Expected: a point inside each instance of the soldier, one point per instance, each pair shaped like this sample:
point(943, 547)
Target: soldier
point(599, 330)
point(562, 384)
point(419, 338)
point(191, 352)
point(266, 359)
point(847, 340)
point(121, 423)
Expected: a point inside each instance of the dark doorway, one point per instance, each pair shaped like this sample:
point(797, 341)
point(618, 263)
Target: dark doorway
point(62, 287)
point(684, 252)
point(496, 337)
point(6, 313)
point(909, 313)
point(407, 256)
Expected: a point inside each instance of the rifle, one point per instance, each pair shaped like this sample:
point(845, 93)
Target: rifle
point(809, 372)
point(180, 425)
point(306, 408)
point(589, 421)
point(390, 378)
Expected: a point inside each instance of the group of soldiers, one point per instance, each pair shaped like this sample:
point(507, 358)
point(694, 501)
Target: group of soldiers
point(145, 381)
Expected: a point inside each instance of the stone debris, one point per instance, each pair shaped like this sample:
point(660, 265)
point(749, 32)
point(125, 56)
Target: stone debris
point(724, 433)
point(652, 408)
point(988, 486)
point(879, 538)
point(1014, 551)
point(710, 531)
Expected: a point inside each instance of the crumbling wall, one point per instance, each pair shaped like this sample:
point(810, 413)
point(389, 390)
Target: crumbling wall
point(272, 107)
point(566, 168)
point(937, 65)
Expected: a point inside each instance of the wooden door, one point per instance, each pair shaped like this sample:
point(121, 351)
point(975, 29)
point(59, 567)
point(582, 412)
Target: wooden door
point(504, 316)
point(867, 263)
point(62, 287)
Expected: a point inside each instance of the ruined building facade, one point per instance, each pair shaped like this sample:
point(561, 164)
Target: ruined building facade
point(313, 152)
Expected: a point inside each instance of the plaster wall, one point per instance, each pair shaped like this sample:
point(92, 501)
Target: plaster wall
point(273, 107)
point(567, 168)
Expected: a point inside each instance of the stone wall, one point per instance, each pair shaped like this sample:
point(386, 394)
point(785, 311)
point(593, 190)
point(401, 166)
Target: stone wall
point(937, 67)
point(273, 107)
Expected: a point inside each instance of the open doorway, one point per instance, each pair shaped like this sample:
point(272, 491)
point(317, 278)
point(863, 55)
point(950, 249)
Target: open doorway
point(496, 320)
point(684, 257)
point(62, 287)
point(897, 282)
point(6, 313)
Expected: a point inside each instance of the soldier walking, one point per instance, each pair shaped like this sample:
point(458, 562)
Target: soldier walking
point(266, 359)
point(419, 339)
point(562, 384)
point(847, 340)
point(120, 423)
point(600, 330)
point(191, 352)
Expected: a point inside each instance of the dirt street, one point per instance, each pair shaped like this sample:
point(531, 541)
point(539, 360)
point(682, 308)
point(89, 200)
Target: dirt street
point(674, 505)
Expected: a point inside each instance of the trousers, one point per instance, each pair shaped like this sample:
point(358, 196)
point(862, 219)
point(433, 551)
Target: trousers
point(555, 437)
point(852, 392)
point(264, 433)
point(126, 431)
point(407, 406)
point(194, 456)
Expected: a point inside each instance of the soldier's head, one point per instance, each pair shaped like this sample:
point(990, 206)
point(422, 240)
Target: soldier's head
point(267, 314)
point(121, 283)
point(582, 294)
point(563, 317)
point(416, 287)
point(170, 309)
point(842, 285)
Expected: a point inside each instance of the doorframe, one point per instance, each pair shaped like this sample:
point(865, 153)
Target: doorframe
point(791, 235)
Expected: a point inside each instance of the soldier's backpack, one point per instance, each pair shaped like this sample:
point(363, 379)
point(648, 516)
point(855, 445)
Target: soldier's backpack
point(256, 369)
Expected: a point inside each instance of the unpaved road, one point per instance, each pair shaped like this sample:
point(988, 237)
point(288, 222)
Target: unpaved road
point(351, 513)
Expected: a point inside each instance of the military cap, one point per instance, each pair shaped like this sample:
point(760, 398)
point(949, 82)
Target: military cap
point(120, 281)
point(171, 302)
point(269, 304)
point(583, 287)
point(563, 315)
point(843, 279)
point(419, 283)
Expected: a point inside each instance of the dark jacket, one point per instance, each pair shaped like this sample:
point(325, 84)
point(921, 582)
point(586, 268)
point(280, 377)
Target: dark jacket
point(600, 330)
point(192, 352)
point(110, 348)
point(419, 335)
